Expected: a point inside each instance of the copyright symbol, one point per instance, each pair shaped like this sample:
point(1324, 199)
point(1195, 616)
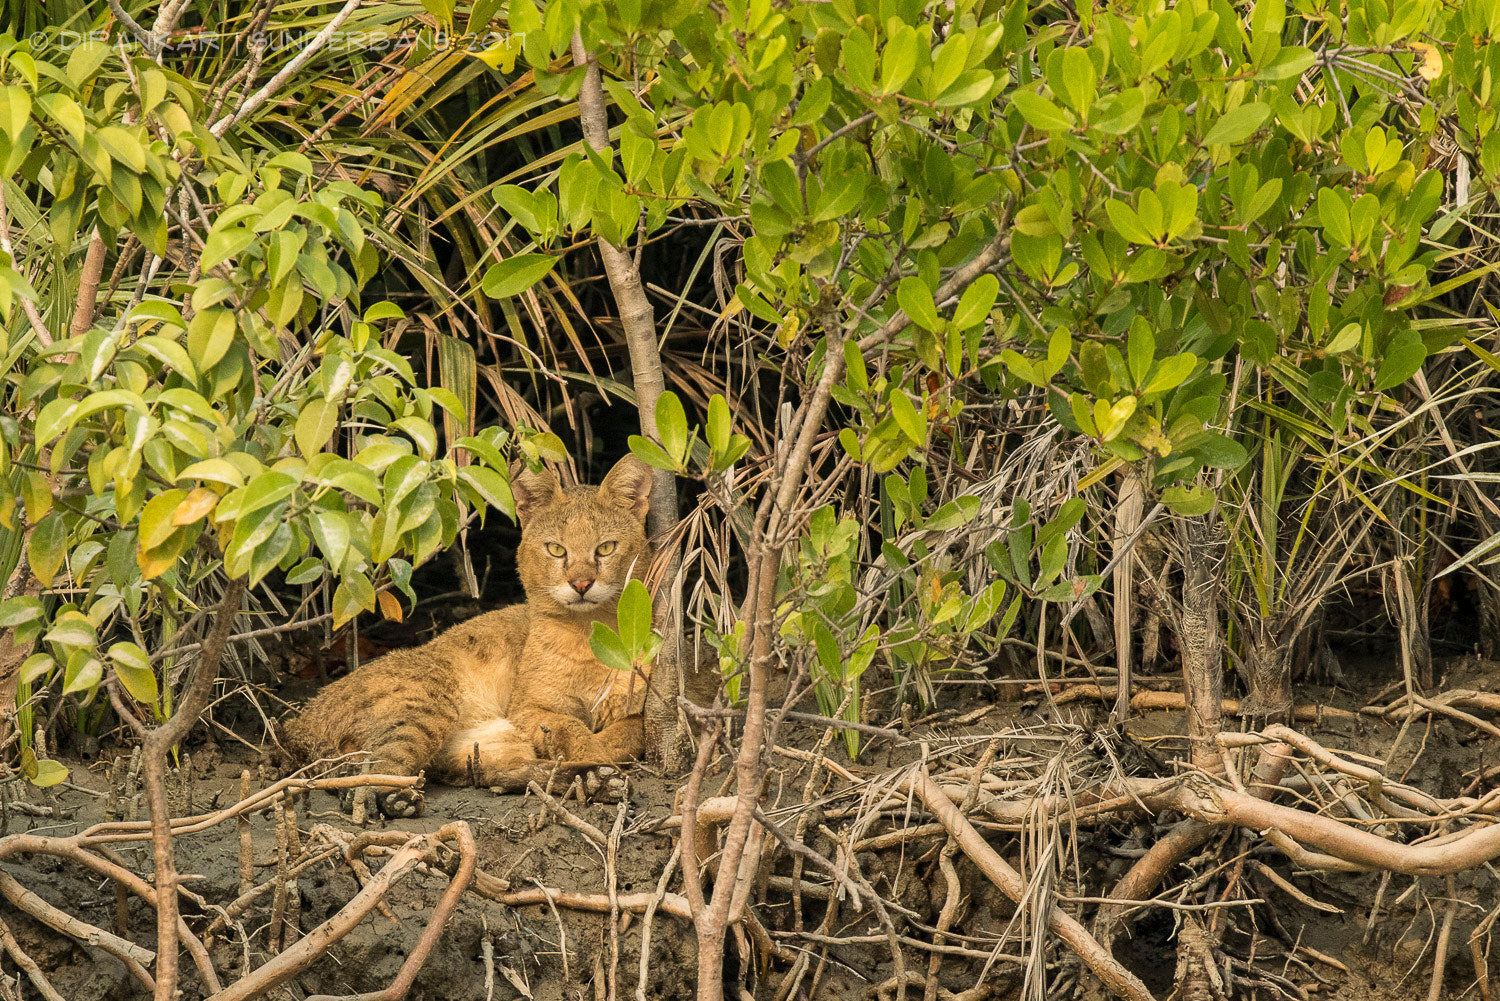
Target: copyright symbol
point(38, 41)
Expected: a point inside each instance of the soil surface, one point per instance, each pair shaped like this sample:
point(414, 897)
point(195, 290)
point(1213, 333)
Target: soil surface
point(538, 953)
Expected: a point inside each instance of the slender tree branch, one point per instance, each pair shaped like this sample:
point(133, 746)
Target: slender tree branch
point(158, 742)
point(638, 318)
point(88, 286)
point(278, 81)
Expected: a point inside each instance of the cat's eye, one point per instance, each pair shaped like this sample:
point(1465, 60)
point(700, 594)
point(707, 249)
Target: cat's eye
point(605, 548)
point(556, 550)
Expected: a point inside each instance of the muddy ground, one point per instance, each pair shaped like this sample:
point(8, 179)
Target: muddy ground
point(516, 842)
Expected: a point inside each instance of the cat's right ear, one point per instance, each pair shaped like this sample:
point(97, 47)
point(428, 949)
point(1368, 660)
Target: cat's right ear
point(533, 491)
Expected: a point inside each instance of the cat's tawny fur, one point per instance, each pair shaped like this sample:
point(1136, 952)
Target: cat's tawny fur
point(497, 699)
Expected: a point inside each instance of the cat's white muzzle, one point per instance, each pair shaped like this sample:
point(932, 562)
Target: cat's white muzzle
point(597, 594)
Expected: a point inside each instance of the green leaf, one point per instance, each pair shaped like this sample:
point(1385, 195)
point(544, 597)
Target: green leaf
point(634, 617)
point(1170, 373)
point(74, 632)
point(915, 300)
point(214, 470)
point(1080, 80)
point(306, 572)
point(719, 426)
point(268, 488)
point(986, 604)
point(608, 648)
point(64, 111)
point(402, 477)
point(223, 244)
point(1237, 125)
point(21, 609)
point(898, 60)
point(515, 275)
point(83, 673)
point(858, 60)
point(171, 354)
point(48, 546)
point(492, 487)
point(315, 426)
point(346, 599)
point(1219, 452)
point(912, 424)
point(1290, 62)
point(133, 668)
point(671, 426)
point(123, 147)
point(1040, 113)
point(977, 301)
point(421, 432)
point(330, 530)
point(973, 85)
point(55, 418)
point(651, 453)
point(36, 667)
point(1333, 214)
point(1400, 363)
point(384, 310)
point(156, 525)
point(1127, 223)
point(210, 333)
point(1190, 501)
point(15, 110)
point(1120, 113)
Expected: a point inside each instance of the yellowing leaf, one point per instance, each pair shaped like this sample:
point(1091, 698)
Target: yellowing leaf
point(157, 523)
point(49, 773)
point(195, 506)
point(390, 607)
point(1432, 60)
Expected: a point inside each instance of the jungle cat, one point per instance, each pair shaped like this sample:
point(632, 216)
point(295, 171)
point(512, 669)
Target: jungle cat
point(495, 700)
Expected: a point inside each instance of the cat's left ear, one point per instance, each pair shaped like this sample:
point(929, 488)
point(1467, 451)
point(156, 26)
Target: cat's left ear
point(628, 485)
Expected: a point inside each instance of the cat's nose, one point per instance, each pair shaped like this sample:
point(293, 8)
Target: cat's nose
point(582, 586)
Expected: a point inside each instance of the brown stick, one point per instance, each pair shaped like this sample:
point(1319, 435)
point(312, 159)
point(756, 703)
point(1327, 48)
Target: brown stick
point(1094, 956)
point(574, 821)
point(88, 286)
point(154, 758)
point(670, 903)
point(133, 956)
point(1130, 508)
point(247, 844)
point(69, 848)
point(440, 914)
point(1145, 701)
point(25, 962)
point(140, 830)
point(1440, 954)
point(317, 942)
point(1202, 666)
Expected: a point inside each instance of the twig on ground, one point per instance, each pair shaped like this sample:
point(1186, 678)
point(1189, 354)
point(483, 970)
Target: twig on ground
point(27, 964)
point(574, 821)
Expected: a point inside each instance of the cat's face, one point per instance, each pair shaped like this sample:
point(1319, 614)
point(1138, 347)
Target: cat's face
point(579, 546)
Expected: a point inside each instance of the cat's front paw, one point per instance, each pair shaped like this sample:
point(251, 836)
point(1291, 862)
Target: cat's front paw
point(605, 784)
point(363, 802)
point(401, 804)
